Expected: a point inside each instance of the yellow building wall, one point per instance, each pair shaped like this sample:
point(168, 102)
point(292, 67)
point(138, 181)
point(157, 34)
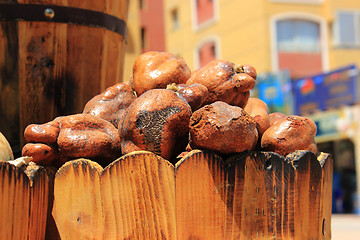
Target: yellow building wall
point(337, 56)
point(133, 45)
point(244, 33)
point(342, 56)
point(243, 29)
point(240, 34)
point(180, 41)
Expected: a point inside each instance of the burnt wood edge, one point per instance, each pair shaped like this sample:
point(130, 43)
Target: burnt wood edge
point(61, 14)
point(33, 172)
point(13, 172)
point(95, 167)
point(294, 159)
point(81, 163)
point(30, 173)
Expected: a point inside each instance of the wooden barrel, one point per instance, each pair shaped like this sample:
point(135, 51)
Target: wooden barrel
point(55, 56)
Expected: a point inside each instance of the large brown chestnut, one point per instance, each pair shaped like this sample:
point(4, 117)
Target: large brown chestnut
point(112, 103)
point(42, 153)
point(223, 128)
point(88, 136)
point(225, 81)
point(70, 137)
point(154, 69)
point(157, 121)
point(42, 133)
point(289, 134)
point(195, 95)
point(259, 110)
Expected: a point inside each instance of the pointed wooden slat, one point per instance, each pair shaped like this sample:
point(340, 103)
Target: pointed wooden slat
point(203, 207)
point(14, 202)
point(23, 202)
point(39, 200)
point(307, 183)
point(77, 206)
point(280, 198)
point(133, 198)
point(138, 193)
point(326, 192)
point(256, 206)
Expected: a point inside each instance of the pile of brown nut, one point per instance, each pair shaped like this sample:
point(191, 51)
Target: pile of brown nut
point(169, 110)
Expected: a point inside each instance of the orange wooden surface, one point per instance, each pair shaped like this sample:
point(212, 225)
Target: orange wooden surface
point(142, 196)
point(248, 196)
point(23, 202)
point(133, 198)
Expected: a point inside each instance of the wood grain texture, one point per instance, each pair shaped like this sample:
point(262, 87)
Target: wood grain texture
point(205, 198)
point(254, 195)
point(77, 201)
point(133, 198)
point(52, 69)
point(266, 196)
point(326, 163)
point(23, 202)
point(9, 83)
point(52, 232)
point(144, 186)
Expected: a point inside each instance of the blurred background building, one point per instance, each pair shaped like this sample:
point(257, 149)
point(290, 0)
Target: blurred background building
point(306, 53)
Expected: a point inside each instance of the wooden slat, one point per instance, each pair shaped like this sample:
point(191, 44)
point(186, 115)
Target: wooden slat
point(280, 198)
point(39, 199)
point(307, 183)
point(205, 198)
point(138, 194)
point(14, 202)
point(133, 198)
point(36, 81)
point(9, 85)
point(77, 200)
point(113, 53)
point(326, 192)
point(276, 206)
point(256, 222)
point(23, 202)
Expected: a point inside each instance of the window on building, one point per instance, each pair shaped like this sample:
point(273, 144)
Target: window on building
point(348, 28)
point(213, 50)
point(298, 36)
point(298, 47)
point(205, 11)
point(142, 4)
point(207, 53)
point(143, 39)
point(175, 19)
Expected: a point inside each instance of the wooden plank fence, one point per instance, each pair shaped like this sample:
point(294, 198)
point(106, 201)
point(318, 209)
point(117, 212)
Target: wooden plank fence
point(255, 195)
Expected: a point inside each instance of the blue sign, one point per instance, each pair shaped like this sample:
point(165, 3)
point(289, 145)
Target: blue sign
point(326, 91)
point(275, 90)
